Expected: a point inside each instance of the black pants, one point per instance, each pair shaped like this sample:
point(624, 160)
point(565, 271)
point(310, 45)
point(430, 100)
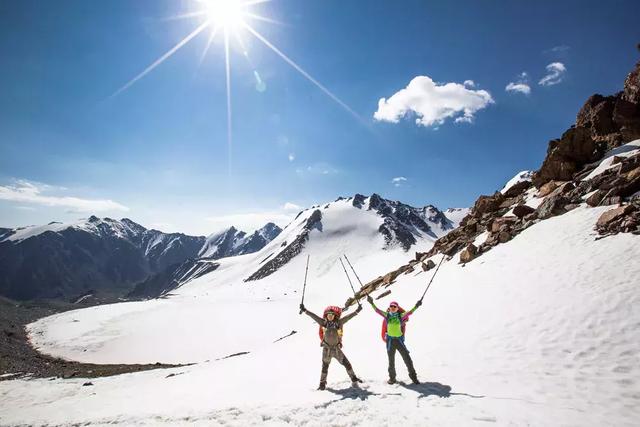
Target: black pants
point(394, 344)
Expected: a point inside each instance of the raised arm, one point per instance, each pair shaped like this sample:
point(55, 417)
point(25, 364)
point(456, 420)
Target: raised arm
point(410, 312)
point(319, 320)
point(348, 317)
point(376, 309)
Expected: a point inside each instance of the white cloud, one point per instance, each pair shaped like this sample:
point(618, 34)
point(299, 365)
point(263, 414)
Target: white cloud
point(30, 192)
point(433, 103)
point(555, 74)
point(320, 168)
point(291, 207)
point(292, 157)
point(469, 83)
point(521, 85)
point(398, 181)
point(558, 49)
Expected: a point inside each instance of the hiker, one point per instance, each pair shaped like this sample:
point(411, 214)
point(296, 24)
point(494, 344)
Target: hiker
point(331, 340)
point(393, 328)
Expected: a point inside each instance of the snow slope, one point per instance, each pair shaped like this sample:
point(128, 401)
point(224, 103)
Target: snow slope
point(627, 150)
point(519, 177)
point(532, 333)
point(135, 332)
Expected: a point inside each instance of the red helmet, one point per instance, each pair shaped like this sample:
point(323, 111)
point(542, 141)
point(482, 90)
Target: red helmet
point(334, 309)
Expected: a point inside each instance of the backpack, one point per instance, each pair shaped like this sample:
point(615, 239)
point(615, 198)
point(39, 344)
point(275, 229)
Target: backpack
point(403, 325)
point(338, 312)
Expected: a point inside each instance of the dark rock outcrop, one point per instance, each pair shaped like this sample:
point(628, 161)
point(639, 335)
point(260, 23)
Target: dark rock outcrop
point(294, 248)
point(172, 277)
point(523, 210)
point(623, 219)
point(603, 123)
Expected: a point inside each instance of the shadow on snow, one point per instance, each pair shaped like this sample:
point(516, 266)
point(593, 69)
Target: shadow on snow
point(434, 389)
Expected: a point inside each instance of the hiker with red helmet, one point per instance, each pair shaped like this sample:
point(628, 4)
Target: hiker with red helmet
point(393, 330)
point(331, 340)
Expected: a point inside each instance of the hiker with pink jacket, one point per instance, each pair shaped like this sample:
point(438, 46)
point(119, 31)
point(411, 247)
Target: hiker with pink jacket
point(393, 331)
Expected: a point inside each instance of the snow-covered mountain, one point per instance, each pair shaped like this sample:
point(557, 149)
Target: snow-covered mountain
point(232, 242)
point(356, 223)
point(102, 256)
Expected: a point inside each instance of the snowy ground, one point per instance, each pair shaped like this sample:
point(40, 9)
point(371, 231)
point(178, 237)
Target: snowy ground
point(543, 330)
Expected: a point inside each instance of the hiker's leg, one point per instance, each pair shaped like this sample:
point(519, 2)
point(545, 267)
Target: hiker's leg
point(391, 354)
point(342, 359)
point(404, 352)
point(326, 359)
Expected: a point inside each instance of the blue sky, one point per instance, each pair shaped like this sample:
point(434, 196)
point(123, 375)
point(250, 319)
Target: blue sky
point(158, 153)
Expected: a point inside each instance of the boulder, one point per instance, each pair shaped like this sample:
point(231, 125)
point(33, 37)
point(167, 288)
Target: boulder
point(469, 253)
point(596, 198)
point(486, 204)
point(428, 265)
point(565, 156)
point(388, 278)
point(502, 223)
point(507, 203)
point(564, 188)
point(613, 214)
point(632, 174)
point(547, 188)
point(517, 189)
point(597, 114)
point(504, 237)
point(523, 210)
point(384, 294)
point(552, 206)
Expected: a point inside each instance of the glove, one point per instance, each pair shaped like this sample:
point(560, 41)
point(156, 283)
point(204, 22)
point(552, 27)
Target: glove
point(302, 309)
point(369, 299)
point(419, 303)
point(359, 309)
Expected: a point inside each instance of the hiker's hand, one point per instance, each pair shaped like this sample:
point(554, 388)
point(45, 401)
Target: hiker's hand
point(369, 299)
point(302, 309)
point(359, 309)
point(419, 303)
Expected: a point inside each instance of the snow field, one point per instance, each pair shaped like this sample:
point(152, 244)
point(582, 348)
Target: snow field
point(542, 330)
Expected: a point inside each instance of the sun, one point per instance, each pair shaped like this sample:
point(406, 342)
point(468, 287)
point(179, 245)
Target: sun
point(229, 14)
point(228, 19)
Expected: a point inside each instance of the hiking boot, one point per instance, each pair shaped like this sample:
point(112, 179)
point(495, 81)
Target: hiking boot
point(414, 379)
point(391, 381)
point(322, 385)
point(355, 380)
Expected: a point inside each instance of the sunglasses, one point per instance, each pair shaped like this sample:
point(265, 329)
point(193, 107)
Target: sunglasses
point(393, 306)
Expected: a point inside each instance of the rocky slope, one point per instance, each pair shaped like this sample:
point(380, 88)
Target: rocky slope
point(596, 162)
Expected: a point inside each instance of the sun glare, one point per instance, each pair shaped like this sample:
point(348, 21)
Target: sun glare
point(225, 13)
point(229, 18)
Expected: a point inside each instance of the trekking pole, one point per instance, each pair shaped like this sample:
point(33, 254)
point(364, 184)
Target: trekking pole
point(349, 279)
point(304, 287)
point(353, 269)
point(432, 277)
